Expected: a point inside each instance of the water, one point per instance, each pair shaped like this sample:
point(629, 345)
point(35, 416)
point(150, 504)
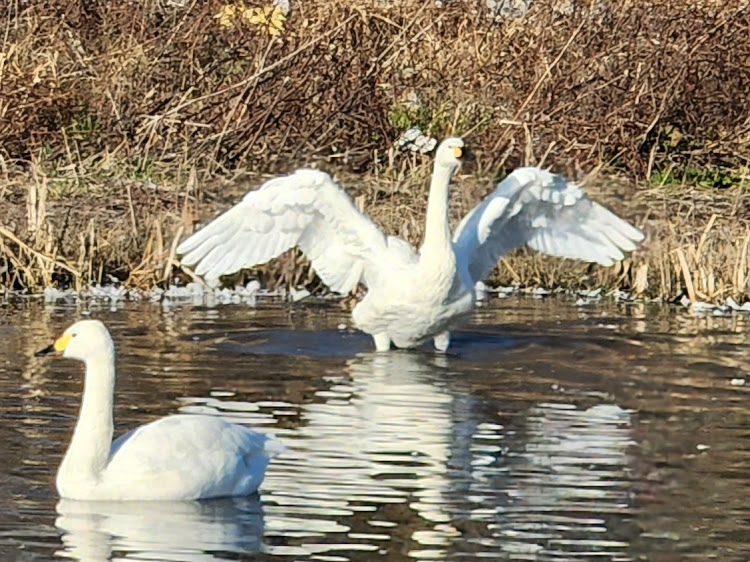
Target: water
point(549, 432)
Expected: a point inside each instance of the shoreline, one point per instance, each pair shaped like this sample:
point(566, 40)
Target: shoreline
point(126, 231)
point(251, 294)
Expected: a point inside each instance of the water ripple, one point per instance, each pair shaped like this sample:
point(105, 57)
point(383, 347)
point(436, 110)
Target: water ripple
point(548, 433)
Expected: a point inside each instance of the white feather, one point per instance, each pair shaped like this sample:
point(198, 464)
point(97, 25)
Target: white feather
point(306, 209)
point(548, 214)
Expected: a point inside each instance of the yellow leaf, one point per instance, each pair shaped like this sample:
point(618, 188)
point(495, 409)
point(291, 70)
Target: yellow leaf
point(228, 12)
point(271, 18)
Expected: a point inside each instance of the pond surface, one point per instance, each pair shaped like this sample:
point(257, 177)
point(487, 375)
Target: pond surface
point(548, 432)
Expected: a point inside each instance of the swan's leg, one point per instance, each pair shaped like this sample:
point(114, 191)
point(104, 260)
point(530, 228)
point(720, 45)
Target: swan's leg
point(382, 341)
point(442, 341)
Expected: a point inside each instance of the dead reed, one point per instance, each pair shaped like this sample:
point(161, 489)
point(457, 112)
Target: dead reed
point(120, 124)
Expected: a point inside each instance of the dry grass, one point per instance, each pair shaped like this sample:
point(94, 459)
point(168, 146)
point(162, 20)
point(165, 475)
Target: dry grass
point(119, 125)
point(698, 240)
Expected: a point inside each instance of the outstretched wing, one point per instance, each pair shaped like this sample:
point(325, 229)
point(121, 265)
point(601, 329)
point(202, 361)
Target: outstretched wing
point(543, 210)
point(306, 209)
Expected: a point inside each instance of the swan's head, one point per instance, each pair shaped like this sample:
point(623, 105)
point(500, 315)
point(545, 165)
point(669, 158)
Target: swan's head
point(450, 153)
point(83, 340)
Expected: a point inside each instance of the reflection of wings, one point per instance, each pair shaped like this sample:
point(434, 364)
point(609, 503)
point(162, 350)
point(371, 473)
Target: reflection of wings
point(93, 530)
point(574, 462)
point(398, 428)
point(542, 210)
point(306, 209)
point(397, 442)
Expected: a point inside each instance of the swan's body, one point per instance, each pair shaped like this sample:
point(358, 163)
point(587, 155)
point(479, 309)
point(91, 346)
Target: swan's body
point(412, 296)
point(180, 457)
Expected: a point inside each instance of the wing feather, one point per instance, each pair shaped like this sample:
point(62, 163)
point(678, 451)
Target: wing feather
point(306, 209)
point(546, 212)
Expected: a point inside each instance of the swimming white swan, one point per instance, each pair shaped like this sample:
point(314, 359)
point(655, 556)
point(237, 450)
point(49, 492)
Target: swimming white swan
point(180, 457)
point(412, 296)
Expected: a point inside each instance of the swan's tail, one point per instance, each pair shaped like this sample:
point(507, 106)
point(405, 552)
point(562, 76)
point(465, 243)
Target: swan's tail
point(273, 448)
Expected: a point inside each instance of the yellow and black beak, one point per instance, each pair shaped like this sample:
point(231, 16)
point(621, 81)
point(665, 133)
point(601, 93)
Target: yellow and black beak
point(463, 153)
point(58, 347)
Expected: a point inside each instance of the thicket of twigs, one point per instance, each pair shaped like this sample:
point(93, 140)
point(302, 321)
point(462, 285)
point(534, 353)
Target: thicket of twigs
point(115, 114)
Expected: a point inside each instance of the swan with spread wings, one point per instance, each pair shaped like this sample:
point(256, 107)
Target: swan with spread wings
point(412, 295)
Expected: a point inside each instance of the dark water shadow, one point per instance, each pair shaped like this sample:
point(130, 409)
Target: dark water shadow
point(306, 343)
point(346, 344)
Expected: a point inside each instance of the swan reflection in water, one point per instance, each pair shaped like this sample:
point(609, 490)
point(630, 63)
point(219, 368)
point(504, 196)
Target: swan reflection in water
point(399, 449)
point(187, 531)
point(569, 484)
point(402, 428)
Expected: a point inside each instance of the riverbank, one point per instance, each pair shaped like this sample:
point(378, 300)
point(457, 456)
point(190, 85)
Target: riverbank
point(123, 128)
point(126, 231)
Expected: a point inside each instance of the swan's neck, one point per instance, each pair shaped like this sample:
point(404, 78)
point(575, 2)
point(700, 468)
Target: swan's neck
point(437, 236)
point(88, 453)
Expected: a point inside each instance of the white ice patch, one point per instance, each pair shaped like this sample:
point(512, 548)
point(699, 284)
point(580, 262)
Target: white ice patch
point(414, 140)
point(480, 289)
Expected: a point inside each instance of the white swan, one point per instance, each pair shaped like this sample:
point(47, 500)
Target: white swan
point(180, 457)
point(412, 296)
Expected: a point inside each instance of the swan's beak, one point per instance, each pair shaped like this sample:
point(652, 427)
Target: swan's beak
point(58, 347)
point(46, 351)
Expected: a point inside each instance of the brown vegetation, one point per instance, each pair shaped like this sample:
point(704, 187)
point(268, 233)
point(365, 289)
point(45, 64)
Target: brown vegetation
point(120, 124)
